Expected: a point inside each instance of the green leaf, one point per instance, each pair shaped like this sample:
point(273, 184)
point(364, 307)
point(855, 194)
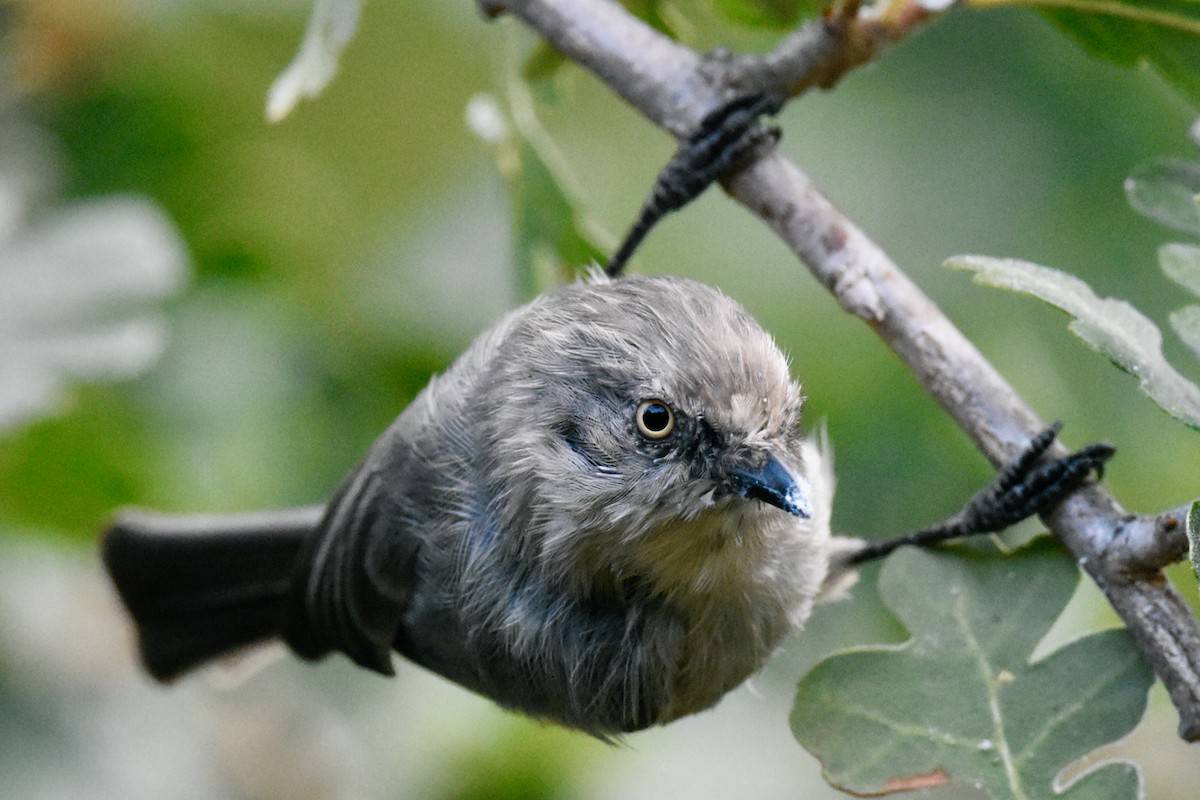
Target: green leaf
point(1193, 535)
point(552, 240)
point(650, 12)
point(1166, 192)
point(1161, 34)
point(552, 235)
point(1112, 327)
point(542, 63)
point(776, 14)
point(959, 707)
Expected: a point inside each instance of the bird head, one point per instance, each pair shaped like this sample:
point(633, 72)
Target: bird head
point(643, 418)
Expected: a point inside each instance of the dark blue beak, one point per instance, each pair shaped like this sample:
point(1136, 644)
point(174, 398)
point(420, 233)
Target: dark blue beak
point(774, 483)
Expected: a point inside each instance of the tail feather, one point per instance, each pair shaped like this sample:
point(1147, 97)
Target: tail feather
point(201, 586)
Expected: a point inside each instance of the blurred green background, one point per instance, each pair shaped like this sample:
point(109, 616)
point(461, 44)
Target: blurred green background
point(341, 257)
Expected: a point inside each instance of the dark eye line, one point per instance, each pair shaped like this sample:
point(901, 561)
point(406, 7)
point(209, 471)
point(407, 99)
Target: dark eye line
point(572, 434)
point(708, 437)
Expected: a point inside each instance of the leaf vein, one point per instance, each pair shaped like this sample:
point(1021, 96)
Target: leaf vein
point(989, 682)
point(1096, 687)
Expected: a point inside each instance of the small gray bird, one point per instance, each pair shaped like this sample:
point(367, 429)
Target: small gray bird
point(602, 514)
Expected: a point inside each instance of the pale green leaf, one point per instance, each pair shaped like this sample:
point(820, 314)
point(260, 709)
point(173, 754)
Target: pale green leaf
point(1181, 263)
point(1193, 535)
point(553, 238)
point(959, 708)
point(1186, 322)
point(1112, 327)
point(1166, 192)
point(330, 28)
point(77, 295)
point(543, 62)
point(650, 12)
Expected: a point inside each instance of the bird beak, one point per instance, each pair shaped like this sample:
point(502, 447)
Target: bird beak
point(776, 483)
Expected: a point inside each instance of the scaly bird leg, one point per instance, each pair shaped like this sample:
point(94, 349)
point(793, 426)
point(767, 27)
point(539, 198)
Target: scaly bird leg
point(1024, 487)
point(722, 143)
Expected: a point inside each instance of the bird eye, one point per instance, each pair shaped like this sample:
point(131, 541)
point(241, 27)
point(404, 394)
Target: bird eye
point(655, 419)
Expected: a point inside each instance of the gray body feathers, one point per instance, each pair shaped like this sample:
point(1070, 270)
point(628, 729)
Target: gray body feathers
point(514, 532)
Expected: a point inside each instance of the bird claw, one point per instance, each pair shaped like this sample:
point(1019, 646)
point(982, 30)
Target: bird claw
point(1027, 486)
point(724, 140)
point(1024, 487)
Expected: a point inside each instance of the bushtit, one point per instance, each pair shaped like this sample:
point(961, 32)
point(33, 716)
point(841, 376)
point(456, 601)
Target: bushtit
point(602, 514)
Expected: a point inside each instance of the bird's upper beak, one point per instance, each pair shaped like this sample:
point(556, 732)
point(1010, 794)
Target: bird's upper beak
point(774, 482)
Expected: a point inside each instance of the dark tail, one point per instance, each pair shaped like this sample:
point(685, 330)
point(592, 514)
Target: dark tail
point(202, 586)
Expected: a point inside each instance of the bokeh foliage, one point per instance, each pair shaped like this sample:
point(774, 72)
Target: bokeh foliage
point(343, 256)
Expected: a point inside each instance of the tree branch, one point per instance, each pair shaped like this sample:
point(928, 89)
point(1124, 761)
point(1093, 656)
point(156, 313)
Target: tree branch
point(869, 285)
point(676, 87)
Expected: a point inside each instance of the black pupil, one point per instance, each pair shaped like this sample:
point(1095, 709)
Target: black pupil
point(656, 417)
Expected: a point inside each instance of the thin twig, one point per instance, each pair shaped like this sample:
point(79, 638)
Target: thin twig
point(674, 86)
